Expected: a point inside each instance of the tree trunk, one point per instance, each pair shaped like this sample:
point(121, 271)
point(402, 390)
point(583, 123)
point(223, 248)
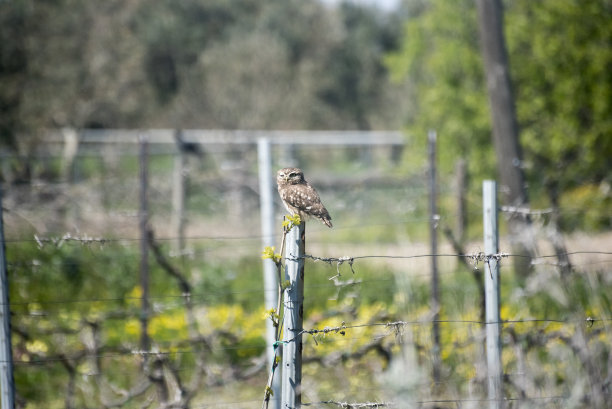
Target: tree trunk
point(505, 130)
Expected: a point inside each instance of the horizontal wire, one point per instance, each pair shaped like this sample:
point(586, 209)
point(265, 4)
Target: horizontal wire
point(192, 296)
point(395, 324)
point(478, 256)
point(105, 240)
point(341, 260)
point(421, 402)
point(329, 260)
point(134, 353)
point(326, 330)
point(215, 404)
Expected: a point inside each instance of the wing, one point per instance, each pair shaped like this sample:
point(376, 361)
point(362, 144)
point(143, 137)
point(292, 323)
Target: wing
point(305, 199)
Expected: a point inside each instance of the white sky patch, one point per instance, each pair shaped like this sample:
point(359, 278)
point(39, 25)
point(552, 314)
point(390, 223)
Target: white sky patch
point(386, 5)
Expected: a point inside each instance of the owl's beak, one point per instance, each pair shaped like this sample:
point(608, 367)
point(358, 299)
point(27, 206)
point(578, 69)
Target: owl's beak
point(286, 178)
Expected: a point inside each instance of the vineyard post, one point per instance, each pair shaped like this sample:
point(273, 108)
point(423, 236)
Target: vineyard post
point(491, 277)
point(293, 318)
point(433, 224)
point(178, 195)
point(143, 216)
point(7, 386)
point(269, 267)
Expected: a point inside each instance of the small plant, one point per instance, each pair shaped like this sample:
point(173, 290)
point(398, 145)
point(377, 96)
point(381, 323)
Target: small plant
point(268, 253)
point(290, 221)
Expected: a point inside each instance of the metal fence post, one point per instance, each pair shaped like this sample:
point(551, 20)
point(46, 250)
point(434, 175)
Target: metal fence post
point(145, 342)
point(293, 318)
point(269, 268)
point(491, 277)
point(178, 196)
point(7, 384)
point(433, 230)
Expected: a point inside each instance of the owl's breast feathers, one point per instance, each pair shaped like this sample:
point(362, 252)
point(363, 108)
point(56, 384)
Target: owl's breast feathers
point(304, 200)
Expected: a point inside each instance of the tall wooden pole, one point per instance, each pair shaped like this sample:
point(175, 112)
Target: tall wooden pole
point(491, 277)
point(178, 196)
point(293, 318)
point(144, 244)
point(7, 385)
point(433, 229)
point(505, 128)
point(461, 183)
point(266, 193)
point(501, 100)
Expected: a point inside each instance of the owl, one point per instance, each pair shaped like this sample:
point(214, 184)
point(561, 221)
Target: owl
point(299, 197)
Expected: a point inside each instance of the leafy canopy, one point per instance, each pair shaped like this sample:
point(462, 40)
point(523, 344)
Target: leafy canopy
point(560, 55)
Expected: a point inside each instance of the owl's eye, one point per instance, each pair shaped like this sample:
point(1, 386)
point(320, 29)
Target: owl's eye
point(292, 174)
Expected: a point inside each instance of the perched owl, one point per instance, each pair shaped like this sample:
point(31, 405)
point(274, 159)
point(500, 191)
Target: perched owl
point(299, 197)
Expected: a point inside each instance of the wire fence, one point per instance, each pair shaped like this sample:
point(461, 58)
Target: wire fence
point(75, 295)
point(169, 350)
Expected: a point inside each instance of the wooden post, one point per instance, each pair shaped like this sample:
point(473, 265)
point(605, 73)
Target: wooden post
point(269, 268)
point(433, 229)
point(461, 184)
point(71, 147)
point(178, 196)
point(293, 318)
point(491, 277)
point(505, 129)
point(144, 244)
point(7, 385)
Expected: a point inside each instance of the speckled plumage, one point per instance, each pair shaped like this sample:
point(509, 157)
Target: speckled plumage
point(299, 197)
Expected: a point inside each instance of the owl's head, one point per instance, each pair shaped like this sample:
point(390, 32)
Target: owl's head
point(289, 176)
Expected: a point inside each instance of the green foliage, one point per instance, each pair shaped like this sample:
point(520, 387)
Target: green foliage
point(82, 273)
point(52, 291)
point(440, 61)
point(268, 253)
point(560, 57)
point(230, 64)
point(198, 64)
point(171, 48)
point(587, 207)
point(291, 221)
point(354, 86)
point(74, 285)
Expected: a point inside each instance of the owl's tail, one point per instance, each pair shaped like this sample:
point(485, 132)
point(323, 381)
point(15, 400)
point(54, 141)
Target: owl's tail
point(326, 218)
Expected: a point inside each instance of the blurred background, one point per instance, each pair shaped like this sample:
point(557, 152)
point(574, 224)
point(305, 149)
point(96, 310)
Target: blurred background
point(202, 81)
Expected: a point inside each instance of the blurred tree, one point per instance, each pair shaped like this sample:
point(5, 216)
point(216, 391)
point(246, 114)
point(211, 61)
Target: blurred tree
point(355, 85)
point(501, 102)
point(560, 55)
point(248, 83)
point(440, 61)
point(69, 63)
point(259, 73)
point(66, 63)
point(12, 65)
point(279, 64)
point(513, 190)
point(205, 64)
point(174, 35)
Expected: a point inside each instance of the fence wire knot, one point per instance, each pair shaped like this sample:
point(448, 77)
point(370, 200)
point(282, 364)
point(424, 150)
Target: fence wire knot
point(398, 329)
point(482, 257)
point(347, 405)
point(330, 260)
point(59, 241)
point(326, 330)
point(590, 321)
point(153, 351)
